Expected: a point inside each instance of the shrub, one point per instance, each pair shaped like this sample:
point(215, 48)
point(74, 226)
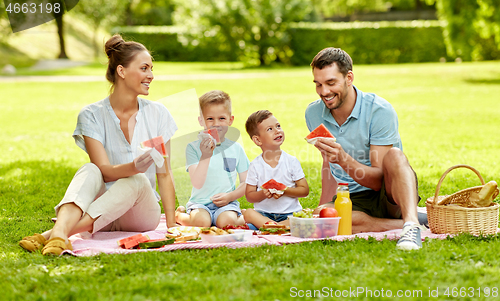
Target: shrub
point(167, 44)
point(366, 42)
point(370, 42)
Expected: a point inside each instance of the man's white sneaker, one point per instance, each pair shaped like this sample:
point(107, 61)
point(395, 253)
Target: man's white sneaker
point(410, 238)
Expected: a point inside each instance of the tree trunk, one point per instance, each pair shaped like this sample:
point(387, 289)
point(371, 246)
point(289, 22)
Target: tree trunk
point(60, 33)
point(418, 5)
point(128, 13)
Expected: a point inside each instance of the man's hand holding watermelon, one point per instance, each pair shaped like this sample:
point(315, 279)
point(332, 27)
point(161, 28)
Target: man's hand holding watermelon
point(327, 144)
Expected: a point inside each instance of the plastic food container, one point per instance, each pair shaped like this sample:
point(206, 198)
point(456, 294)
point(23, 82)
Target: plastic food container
point(238, 236)
point(314, 227)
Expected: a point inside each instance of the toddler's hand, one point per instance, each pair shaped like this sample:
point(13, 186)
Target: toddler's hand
point(277, 196)
point(143, 161)
point(267, 194)
point(221, 199)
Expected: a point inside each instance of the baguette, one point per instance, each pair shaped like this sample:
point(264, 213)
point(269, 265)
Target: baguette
point(484, 198)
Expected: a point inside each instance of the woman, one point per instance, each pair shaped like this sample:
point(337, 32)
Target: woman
point(117, 190)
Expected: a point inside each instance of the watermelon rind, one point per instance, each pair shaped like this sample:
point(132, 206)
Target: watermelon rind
point(276, 191)
point(132, 241)
point(313, 140)
point(156, 243)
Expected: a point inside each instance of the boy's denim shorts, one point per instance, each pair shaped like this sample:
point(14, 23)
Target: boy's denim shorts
point(213, 210)
point(277, 217)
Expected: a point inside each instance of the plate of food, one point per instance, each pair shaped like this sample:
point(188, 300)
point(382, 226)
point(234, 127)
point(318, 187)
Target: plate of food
point(184, 234)
point(216, 235)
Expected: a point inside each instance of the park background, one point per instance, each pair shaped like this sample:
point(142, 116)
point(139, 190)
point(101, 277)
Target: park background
point(433, 60)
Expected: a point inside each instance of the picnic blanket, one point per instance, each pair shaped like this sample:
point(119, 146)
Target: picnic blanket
point(85, 244)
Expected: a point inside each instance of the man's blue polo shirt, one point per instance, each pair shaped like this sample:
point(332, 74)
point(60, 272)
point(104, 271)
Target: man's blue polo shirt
point(373, 121)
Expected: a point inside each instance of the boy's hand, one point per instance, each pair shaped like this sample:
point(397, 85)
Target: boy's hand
point(267, 194)
point(277, 196)
point(221, 199)
point(207, 146)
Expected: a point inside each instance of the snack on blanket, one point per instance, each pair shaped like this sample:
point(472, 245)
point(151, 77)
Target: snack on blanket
point(274, 228)
point(132, 241)
point(214, 235)
point(183, 234)
point(320, 131)
point(216, 231)
point(236, 227)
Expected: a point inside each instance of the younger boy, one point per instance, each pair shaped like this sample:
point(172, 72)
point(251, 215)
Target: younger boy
point(265, 131)
point(213, 169)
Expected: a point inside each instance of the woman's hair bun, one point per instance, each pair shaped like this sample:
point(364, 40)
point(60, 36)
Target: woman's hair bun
point(120, 52)
point(113, 44)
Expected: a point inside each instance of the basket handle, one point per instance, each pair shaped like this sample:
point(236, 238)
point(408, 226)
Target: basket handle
point(438, 187)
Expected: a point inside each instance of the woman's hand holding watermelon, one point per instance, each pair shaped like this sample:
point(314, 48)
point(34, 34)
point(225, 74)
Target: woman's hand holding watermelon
point(144, 161)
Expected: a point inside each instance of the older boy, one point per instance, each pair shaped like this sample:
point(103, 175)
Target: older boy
point(213, 169)
point(266, 132)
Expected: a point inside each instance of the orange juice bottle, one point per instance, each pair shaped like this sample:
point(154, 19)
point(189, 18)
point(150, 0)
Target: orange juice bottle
point(343, 205)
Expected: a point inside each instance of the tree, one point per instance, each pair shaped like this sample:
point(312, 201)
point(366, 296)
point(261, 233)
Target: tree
point(473, 27)
point(254, 30)
point(65, 5)
point(4, 23)
point(101, 13)
point(60, 32)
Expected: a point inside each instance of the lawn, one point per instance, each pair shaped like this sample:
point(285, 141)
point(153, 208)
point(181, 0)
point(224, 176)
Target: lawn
point(448, 114)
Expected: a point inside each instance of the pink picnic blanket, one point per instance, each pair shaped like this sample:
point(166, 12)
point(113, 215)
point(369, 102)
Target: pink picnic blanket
point(85, 244)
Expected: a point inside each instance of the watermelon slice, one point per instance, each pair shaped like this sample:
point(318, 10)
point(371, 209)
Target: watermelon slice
point(274, 187)
point(320, 131)
point(214, 133)
point(158, 243)
point(158, 143)
point(132, 241)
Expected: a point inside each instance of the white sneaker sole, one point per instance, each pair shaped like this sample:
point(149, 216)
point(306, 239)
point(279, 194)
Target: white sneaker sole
point(407, 246)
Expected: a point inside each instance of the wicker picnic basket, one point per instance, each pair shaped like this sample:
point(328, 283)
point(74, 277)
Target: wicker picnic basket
point(457, 219)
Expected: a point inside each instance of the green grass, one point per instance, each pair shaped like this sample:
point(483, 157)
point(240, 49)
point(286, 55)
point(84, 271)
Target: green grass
point(448, 114)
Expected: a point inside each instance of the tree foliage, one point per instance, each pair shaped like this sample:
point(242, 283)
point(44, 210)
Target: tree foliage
point(150, 12)
point(473, 27)
point(255, 30)
point(100, 13)
point(329, 8)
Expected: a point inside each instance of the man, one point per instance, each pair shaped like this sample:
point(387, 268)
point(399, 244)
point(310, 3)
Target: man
point(367, 153)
